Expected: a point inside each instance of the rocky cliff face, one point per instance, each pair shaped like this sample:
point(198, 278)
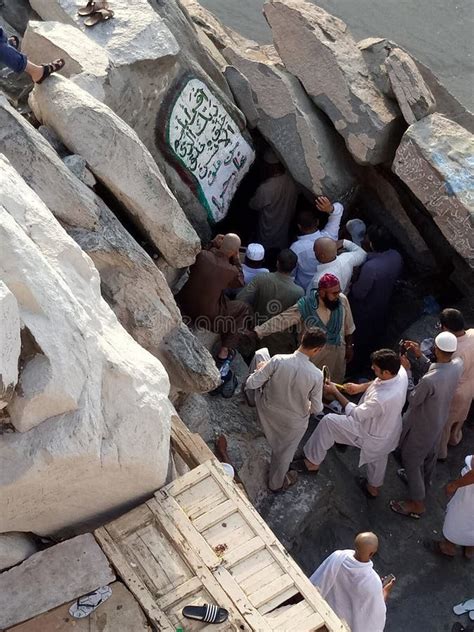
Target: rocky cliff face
point(151, 127)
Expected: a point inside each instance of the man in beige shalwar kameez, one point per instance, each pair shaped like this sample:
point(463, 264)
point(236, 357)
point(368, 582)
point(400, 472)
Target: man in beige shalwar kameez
point(285, 390)
point(328, 309)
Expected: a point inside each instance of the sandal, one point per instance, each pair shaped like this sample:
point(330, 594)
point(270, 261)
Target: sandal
point(290, 479)
point(100, 15)
point(463, 607)
point(14, 42)
point(48, 69)
point(91, 7)
point(207, 613)
point(399, 507)
point(299, 465)
point(434, 547)
point(86, 604)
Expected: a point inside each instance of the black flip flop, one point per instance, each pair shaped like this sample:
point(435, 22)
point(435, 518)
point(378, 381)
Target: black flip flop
point(299, 465)
point(207, 613)
point(362, 483)
point(48, 69)
point(14, 42)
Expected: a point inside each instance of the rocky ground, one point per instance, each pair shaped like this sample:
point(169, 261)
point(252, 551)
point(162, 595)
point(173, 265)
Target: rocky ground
point(322, 514)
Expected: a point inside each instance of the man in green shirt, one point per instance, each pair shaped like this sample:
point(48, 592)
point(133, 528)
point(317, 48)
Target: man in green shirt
point(271, 294)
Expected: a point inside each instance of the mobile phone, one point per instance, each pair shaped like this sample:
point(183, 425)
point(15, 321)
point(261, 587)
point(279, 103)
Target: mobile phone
point(402, 350)
point(388, 579)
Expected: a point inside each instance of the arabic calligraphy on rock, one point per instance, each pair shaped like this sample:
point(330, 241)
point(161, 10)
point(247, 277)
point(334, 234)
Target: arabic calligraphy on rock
point(207, 141)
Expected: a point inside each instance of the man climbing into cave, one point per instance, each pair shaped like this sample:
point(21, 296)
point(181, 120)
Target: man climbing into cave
point(374, 425)
point(328, 309)
point(347, 581)
point(341, 265)
point(286, 389)
point(307, 221)
point(203, 298)
point(17, 61)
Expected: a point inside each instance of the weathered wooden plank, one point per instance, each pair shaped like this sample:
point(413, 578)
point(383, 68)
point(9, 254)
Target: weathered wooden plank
point(235, 527)
point(290, 614)
point(313, 622)
point(165, 556)
point(130, 522)
point(132, 580)
point(251, 565)
point(278, 600)
point(251, 614)
point(190, 446)
point(182, 591)
point(215, 515)
point(309, 592)
point(264, 576)
point(242, 553)
point(187, 481)
point(270, 590)
point(146, 566)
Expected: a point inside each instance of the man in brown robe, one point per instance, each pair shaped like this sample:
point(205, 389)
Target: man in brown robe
point(203, 299)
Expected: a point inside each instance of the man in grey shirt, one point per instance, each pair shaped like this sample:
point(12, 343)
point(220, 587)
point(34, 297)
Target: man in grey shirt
point(424, 421)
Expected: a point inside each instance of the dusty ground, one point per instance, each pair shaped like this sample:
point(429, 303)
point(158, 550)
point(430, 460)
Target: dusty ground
point(320, 515)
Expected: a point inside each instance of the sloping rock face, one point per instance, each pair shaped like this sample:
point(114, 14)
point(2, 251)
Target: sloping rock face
point(131, 282)
point(435, 161)
point(79, 120)
point(317, 48)
point(10, 344)
point(276, 104)
point(111, 447)
point(413, 95)
point(375, 51)
point(156, 63)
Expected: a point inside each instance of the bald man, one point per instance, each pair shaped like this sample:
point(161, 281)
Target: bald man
point(203, 300)
point(348, 582)
point(342, 265)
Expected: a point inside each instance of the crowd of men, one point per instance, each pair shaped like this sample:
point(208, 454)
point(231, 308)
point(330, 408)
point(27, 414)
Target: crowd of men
point(320, 315)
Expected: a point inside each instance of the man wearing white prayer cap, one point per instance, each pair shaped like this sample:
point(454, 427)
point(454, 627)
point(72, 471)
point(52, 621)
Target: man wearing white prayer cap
point(348, 582)
point(275, 201)
point(253, 264)
point(424, 421)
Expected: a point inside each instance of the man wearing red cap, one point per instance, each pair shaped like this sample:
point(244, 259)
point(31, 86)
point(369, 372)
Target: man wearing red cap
point(328, 309)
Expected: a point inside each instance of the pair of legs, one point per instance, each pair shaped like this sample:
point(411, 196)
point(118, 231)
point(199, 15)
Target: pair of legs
point(340, 429)
point(231, 325)
point(418, 472)
point(11, 57)
point(283, 439)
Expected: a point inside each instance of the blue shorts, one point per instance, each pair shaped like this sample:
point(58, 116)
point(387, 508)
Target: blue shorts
point(9, 56)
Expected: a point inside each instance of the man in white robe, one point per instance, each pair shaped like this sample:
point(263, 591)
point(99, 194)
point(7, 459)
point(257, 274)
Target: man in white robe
point(285, 390)
point(348, 582)
point(374, 425)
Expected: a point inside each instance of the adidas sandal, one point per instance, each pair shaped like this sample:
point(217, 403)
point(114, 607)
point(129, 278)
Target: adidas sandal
point(207, 613)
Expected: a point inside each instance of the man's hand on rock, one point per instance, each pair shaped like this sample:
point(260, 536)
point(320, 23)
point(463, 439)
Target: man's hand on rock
point(324, 205)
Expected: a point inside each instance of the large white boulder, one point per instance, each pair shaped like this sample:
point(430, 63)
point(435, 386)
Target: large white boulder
point(276, 104)
point(435, 160)
point(112, 450)
point(131, 281)
point(14, 548)
point(118, 158)
point(318, 49)
point(9, 344)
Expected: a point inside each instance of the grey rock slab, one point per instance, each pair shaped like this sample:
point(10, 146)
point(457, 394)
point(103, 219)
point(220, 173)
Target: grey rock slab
point(194, 411)
point(10, 345)
point(78, 166)
point(51, 577)
point(434, 160)
point(17, 13)
point(71, 202)
point(318, 49)
point(118, 158)
point(301, 135)
point(14, 548)
point(414, 97)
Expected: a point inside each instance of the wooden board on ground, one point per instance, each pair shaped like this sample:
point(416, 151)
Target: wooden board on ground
point(200, 541)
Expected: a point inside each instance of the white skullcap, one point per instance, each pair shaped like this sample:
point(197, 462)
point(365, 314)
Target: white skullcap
point(357, 230)
point(446, 341)
point(255, 252)
point(270, 157)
